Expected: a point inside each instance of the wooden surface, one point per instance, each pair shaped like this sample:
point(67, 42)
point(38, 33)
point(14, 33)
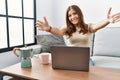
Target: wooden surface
point(45, 72)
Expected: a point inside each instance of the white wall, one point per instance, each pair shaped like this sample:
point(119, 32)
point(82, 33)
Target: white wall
point(7, 59)
point(94, 11)
point(44, 8)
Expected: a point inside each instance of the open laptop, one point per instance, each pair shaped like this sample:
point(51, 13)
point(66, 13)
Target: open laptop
point(70, 58)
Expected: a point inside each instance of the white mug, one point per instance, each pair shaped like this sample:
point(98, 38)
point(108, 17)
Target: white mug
point(45, 58)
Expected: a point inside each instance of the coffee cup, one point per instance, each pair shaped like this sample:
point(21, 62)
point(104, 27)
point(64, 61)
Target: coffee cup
point(45, 58)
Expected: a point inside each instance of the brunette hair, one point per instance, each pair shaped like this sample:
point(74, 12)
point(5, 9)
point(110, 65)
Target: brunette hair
point(70, 27)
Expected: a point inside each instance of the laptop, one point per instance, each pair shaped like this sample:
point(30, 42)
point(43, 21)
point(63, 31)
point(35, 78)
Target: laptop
point(70, 58)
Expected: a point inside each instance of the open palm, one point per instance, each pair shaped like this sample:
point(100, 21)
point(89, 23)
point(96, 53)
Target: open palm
point(42, 25)
point(113, 18)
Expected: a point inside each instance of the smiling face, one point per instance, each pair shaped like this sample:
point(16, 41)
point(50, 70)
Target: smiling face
point(73, 17)
point(74, 20)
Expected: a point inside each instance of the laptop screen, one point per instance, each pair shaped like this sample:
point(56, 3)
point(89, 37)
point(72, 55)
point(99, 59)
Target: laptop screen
point(70, 58)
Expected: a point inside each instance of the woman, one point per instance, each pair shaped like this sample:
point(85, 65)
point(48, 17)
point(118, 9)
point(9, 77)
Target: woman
point(76, 31)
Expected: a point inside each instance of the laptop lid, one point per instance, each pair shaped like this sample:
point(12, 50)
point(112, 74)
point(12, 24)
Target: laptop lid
point(70, 58)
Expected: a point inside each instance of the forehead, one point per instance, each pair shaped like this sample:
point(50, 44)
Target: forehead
point(71, 11)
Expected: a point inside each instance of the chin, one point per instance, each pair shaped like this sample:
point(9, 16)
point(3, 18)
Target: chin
point(75, 23)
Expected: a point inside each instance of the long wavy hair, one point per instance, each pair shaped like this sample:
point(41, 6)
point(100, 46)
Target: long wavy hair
point(71, 27)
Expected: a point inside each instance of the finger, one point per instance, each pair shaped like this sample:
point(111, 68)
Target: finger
point(117, 14)
point(38, 21)
point(39, 24)
point(45, 20)
point(109, 12)
point(39, 27)
point(116, 19)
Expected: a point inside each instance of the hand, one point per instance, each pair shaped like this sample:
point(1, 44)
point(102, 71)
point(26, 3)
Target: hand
point(113, 18)
point(44, 26)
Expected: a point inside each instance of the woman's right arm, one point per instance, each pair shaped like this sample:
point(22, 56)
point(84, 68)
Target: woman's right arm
point(44, 26)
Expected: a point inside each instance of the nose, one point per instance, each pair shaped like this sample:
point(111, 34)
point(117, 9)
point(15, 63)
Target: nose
point(72, 16)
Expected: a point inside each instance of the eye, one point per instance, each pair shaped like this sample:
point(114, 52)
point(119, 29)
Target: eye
point(69, 15)
point(74, 13)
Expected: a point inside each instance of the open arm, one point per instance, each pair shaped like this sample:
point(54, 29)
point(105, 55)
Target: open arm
point(44, 26)
point(110, 19)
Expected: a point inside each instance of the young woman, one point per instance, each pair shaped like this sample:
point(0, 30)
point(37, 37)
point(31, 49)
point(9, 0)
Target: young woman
point(76, 31)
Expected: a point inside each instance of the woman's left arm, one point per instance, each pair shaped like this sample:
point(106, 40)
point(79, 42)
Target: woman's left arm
point(110, 19)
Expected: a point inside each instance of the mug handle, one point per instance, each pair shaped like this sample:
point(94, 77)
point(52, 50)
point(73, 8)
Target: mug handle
point(14, 51)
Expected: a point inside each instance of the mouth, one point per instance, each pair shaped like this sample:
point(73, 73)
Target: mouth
point(74, 21)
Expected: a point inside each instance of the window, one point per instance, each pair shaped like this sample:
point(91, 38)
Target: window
point(17, 20)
